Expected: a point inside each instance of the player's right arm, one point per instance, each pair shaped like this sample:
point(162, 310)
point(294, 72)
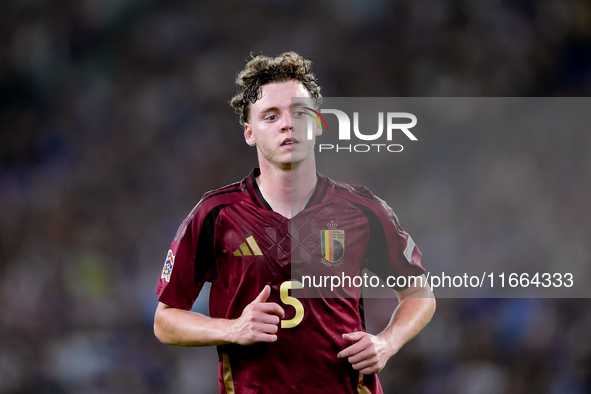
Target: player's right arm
point(258, 323)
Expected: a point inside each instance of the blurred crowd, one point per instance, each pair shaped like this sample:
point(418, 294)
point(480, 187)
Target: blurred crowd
point(114, 120)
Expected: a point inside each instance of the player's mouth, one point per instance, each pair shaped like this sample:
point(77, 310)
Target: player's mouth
point(289, 142)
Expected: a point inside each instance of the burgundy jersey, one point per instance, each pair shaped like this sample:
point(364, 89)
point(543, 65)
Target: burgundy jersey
point(234, 239)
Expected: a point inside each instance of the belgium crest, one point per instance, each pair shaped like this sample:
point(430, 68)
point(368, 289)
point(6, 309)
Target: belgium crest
point(332, 245)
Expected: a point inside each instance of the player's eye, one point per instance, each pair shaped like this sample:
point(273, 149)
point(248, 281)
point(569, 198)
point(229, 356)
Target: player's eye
point(298, 114)
point(271, 117)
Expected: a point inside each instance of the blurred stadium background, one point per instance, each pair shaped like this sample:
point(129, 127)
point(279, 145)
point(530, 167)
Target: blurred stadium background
point(114, 121)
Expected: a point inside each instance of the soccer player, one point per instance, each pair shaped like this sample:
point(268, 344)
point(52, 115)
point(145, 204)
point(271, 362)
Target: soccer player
point(249, 238)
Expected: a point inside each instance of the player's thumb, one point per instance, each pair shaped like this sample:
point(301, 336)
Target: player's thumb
point(263, 295)
point(354, 336)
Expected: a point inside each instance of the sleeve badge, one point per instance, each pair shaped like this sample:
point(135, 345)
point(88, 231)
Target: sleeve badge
point(167, 270)
point(410, 245)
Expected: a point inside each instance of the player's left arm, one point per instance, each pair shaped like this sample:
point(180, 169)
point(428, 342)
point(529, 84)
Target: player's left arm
point(369, 353)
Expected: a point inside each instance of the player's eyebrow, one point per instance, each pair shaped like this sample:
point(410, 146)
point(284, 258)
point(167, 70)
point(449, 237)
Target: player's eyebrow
point(268, 110)
point(275, 109)
point(298, 104)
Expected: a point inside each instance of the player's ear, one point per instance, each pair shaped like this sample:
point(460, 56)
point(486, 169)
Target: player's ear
point(248, 135)
point(318, 130)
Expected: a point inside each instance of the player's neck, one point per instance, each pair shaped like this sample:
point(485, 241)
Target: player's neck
point(287, 191)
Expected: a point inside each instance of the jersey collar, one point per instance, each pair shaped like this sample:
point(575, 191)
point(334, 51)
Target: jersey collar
point(259, 200)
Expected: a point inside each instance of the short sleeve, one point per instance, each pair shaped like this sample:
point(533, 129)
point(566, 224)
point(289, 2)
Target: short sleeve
point(391, 250)
point(190, 261)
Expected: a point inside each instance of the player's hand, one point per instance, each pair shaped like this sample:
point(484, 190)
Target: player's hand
point(259, 321)
point(368, 354)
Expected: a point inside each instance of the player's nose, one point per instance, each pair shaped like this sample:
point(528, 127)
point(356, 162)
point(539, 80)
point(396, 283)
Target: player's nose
point(286, 122)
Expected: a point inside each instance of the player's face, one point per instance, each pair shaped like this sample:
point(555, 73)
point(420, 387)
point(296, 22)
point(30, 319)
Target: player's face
point(278, 125)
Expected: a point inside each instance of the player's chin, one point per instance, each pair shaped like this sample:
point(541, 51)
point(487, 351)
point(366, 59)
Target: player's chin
point(298, 158)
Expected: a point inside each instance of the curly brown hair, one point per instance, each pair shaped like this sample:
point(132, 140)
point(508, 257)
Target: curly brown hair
point(262, 70)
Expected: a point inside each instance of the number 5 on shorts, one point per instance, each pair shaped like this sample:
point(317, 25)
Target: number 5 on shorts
point(288, 300)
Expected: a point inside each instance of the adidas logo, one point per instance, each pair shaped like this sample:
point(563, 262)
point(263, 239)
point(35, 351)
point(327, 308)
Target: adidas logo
point(244, 249)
